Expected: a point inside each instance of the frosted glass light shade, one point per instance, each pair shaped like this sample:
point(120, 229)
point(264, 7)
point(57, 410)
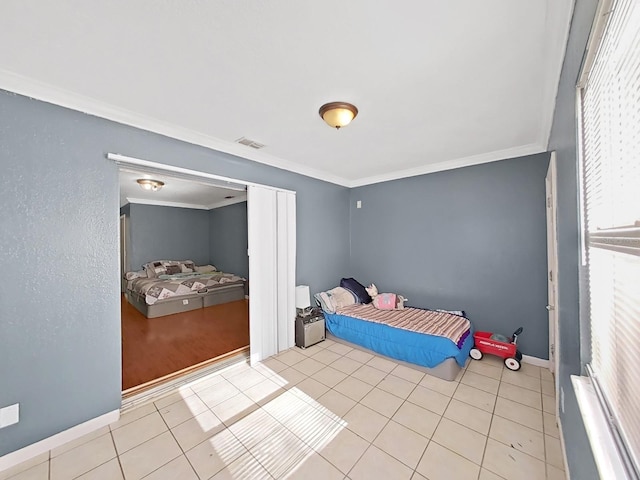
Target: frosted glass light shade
point(303, 299)
point(338, 114)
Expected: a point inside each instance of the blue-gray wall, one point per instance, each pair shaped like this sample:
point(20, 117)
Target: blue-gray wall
point(167, 233)
point(470, 239)
point(60, 313)
point(228, 239)
point(563, 141)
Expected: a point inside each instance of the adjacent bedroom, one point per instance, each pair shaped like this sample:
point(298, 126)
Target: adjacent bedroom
point(184, 276)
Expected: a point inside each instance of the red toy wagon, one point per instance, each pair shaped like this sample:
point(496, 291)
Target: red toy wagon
point(484, 344)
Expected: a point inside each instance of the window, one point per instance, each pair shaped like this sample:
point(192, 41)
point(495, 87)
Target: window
point(609, 101)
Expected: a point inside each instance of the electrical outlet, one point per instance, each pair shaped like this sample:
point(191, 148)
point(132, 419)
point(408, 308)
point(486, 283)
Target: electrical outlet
point(359, 204)
point(562, 399)
point(9, 415)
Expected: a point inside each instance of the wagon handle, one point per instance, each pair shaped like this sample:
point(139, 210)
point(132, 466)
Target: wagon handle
point(514, 338)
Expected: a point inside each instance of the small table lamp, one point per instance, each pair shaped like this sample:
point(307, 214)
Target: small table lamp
point(303, 300)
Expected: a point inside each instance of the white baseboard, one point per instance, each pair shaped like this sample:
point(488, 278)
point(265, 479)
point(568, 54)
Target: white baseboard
point(30, 451)
point(564, 451)
point(538, 362)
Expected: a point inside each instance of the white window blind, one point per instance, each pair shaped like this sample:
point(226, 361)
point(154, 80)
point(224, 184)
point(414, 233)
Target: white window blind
point(610, 133)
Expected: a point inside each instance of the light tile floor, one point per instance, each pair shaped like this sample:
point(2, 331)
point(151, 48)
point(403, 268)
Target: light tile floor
point(327, 412)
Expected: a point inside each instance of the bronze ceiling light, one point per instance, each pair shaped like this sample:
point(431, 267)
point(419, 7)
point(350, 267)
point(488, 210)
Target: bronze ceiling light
point(338, 114)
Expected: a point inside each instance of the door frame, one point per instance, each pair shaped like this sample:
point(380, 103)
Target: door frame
point(551, 195)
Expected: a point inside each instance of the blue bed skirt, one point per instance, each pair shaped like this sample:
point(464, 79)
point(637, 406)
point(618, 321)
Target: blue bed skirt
point(413, 347)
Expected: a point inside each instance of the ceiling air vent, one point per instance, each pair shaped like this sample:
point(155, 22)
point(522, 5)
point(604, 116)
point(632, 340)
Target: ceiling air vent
point(249, 143)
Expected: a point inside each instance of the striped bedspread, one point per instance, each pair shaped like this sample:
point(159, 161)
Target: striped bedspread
point(429, 322)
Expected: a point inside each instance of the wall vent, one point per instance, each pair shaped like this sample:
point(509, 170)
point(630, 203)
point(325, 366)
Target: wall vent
point(249, 143)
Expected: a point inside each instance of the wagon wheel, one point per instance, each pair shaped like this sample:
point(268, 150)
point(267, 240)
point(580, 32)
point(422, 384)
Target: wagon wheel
point(518, 355)
point(475, 354)
point(512, 364)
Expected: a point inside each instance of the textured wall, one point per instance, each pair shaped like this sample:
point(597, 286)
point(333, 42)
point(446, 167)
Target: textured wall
point(228, 236)
point(167, 233)
point(563, 141)
point(60, 313)
point(471, 238)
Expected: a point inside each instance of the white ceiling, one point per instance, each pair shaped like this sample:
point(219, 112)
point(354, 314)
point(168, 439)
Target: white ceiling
point(439, 84)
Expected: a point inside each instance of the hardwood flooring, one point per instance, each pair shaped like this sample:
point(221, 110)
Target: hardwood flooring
point(157, 347)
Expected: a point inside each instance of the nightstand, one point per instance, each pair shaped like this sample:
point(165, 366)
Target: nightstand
point(309, 329)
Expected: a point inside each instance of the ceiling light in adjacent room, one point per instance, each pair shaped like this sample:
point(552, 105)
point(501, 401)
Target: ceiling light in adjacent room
point(152, 185)
point(338, 114)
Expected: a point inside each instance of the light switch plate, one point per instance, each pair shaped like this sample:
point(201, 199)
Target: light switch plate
point(9, 415)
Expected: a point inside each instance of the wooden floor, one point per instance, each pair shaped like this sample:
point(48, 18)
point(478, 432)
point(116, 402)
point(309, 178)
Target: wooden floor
point(156, 347)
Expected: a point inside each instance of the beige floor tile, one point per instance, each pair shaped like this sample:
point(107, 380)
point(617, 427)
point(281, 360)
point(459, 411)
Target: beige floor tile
point(246, 379)
point(469, 416)
point(326, 356)
point(486, 369)
point(490, 360)
point(197, 429)
point(310, 351)
point(35, 472)
point(548, 388)
point(549, 404)
point(79, 441)
point(244, 467)
point(417, 476)
point(288, 378)
point(377, 464)
point(365, 422)
point(339, 348)
point(83, 458)
point(509, 463)
point(181, 411)
point(217, 393)
point(429, 399)
point(416, 418)
point(401, 443)
point(409, 374)
point(253, 428)
point(518, 436)
point(521, 395)
point(521, 380)
point(343, 450)
point(138, 431)
point(545, 374)
point(313, 427)
point(439, 463)
point(550, 426)
point(204, 383)
point(554, 473)
point(475, 397)
point(107, 471)
point(291, 357)
point(531, 370)
point(211, 456)
point(179, 468)
point(516, 412)
point(353, 388)
point(382, 364)
point(327, 343)
point(274, 365)
point(396, 386)
point(309, 366)
point(286, 405)
point(314, 467)
point(487, 475)
point(553, 451)
point(133, 415)
point(486, 384)
point(461, 440)
point(310, 389)
point(27, 465)
point(290, 451)
point(176, 396)
point(439, 385)
point(346, 365)
point(359, 355)
point(235, 408)
point(329, 376)
point(370, 375)
point(336, 403)
point(264, 391)
point(382, 402)
point(151, 455)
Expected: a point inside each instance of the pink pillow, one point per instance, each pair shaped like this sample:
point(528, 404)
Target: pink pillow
point(385, 301)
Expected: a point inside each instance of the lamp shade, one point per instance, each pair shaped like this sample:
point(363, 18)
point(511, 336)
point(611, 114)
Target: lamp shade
point(303, 299)
point(338, 114)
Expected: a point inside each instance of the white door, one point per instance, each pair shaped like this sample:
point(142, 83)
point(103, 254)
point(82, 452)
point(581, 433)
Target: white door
point(272, 254)
point(552, 267)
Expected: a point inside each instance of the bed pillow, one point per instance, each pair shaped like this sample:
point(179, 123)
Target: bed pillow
point(188, 266)
point(206, 269)
point(335, 298)
point(357, 289)
point(134, 275)
point(162, 267)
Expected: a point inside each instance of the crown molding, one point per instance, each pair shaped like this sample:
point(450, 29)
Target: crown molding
point(452, 164)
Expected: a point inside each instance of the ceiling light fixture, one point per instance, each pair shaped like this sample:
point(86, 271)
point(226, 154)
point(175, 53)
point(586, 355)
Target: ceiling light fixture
point(338, 114)
point(152, 185)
